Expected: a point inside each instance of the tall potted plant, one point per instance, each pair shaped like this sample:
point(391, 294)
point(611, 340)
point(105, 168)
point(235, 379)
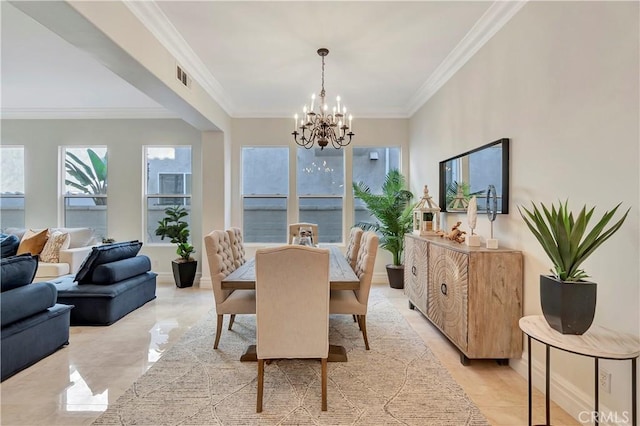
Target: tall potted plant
point(172, 226)
point(394, 211)
point(568, 301)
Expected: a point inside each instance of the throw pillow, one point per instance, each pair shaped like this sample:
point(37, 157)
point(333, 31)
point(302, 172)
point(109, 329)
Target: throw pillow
point(17, 271)
point(33, 242)
point(51, 250)
point(106, 253)
point(9, 245)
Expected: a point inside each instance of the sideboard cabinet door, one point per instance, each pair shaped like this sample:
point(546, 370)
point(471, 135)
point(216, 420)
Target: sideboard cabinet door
point(416, 272)
point(448, 293)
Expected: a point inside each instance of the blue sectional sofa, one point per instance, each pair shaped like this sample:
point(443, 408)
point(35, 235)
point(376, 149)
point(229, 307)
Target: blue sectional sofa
point(112, 281)
point(33, 324)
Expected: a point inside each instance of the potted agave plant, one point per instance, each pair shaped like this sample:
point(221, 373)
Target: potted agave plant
point(172, 226)
point(394, 211)
point(568, 301)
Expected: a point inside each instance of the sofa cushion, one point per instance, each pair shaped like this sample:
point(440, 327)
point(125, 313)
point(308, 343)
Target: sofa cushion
point(105, 254)
point(33, 242)
point(51, 251)
point(78, 237)
point(51, 270)
point(23, 302)
point(9, 244)
point(112, 272)
point(17, 271)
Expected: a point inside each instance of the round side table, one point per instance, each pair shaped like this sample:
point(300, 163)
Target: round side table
point(597, 343)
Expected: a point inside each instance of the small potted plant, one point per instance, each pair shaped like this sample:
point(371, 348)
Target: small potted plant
point(172, 226)
point(568, 301)
point(394, 211)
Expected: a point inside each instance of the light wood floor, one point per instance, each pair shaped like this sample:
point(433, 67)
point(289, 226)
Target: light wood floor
point(74, 385)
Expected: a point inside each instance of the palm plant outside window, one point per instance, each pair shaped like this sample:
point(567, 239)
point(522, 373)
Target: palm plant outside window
point(85, 183)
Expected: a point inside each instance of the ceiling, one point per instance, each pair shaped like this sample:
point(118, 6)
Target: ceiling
point(258, 59)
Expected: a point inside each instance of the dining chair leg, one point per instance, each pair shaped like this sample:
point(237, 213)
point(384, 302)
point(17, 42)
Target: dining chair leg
point(363, 327)
point(218, 331)
point(260, 385)
point(354, 319)
point(324, 384)
point(233, 317)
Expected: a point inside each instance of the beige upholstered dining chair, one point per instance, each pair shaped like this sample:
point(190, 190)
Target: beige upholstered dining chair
point(353, 246)
point(355, 302)
point(221, 264)
point(292, 311)
point(237, 246)
point(294, 231)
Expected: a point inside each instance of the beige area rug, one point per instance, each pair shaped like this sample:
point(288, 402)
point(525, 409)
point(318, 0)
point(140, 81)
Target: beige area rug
point(399, 381)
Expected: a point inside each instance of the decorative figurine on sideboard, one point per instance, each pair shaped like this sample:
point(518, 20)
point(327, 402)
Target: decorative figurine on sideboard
point(426, 216)
point(472, 218)
point(456, 234)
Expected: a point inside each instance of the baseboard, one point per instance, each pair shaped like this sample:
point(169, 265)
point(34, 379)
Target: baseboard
point(167, 278)
point(571, 399)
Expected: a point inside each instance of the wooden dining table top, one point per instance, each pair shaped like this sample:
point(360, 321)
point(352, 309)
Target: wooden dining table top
point(341, 277)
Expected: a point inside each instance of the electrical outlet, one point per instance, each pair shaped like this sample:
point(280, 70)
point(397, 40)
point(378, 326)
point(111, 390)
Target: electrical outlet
point(604, 377)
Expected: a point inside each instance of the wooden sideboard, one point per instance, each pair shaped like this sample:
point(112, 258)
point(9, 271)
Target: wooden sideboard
point(472, 294)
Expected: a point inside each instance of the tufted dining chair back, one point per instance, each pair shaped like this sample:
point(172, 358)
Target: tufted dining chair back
point(237, 246)
point(294, 231)
point(221, 264)
point(292, 307)
point(353, 246)
point(364, 265)
point(355, 302)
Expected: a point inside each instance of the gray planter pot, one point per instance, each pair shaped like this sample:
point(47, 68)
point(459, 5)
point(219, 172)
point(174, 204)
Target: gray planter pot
point(568, 307)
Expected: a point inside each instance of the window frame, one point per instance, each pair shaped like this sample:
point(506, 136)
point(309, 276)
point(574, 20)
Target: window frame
point(64, 196)
point(187, 198)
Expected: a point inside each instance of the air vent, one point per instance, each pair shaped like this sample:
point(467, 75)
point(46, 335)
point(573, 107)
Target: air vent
point(183, 77)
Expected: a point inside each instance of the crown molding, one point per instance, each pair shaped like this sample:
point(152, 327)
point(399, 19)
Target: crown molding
point(498, 14)
point(391, 114)
point(83, 113)
point(152, 17)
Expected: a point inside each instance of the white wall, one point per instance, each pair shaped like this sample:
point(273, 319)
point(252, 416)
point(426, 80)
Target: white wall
point(124, 140)
point(561, 81)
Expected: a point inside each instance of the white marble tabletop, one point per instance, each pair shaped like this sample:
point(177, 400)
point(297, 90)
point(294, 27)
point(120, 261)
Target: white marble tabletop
point(597, 342)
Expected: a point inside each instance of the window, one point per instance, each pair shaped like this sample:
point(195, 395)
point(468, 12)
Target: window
point(265, 188)
point(371, 165)
point(11, 187)
point(174, 183)
point(320, 189)
point(85, 188)
point(167, 174)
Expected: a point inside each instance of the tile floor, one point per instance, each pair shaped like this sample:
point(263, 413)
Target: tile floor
point(75, 384)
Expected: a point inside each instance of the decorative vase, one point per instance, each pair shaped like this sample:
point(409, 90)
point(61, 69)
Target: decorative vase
point(568, 307)
point(395, 275)
point(184, 272)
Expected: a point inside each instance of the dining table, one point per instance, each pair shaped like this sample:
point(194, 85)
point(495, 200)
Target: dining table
point(341, 277)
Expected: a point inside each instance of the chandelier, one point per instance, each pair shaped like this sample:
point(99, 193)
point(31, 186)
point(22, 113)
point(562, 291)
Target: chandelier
point(323, 126)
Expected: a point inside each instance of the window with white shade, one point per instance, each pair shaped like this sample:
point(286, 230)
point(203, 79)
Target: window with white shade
point(265, 189)
point(11, 186)
point(168, 183)
point(320, 190)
